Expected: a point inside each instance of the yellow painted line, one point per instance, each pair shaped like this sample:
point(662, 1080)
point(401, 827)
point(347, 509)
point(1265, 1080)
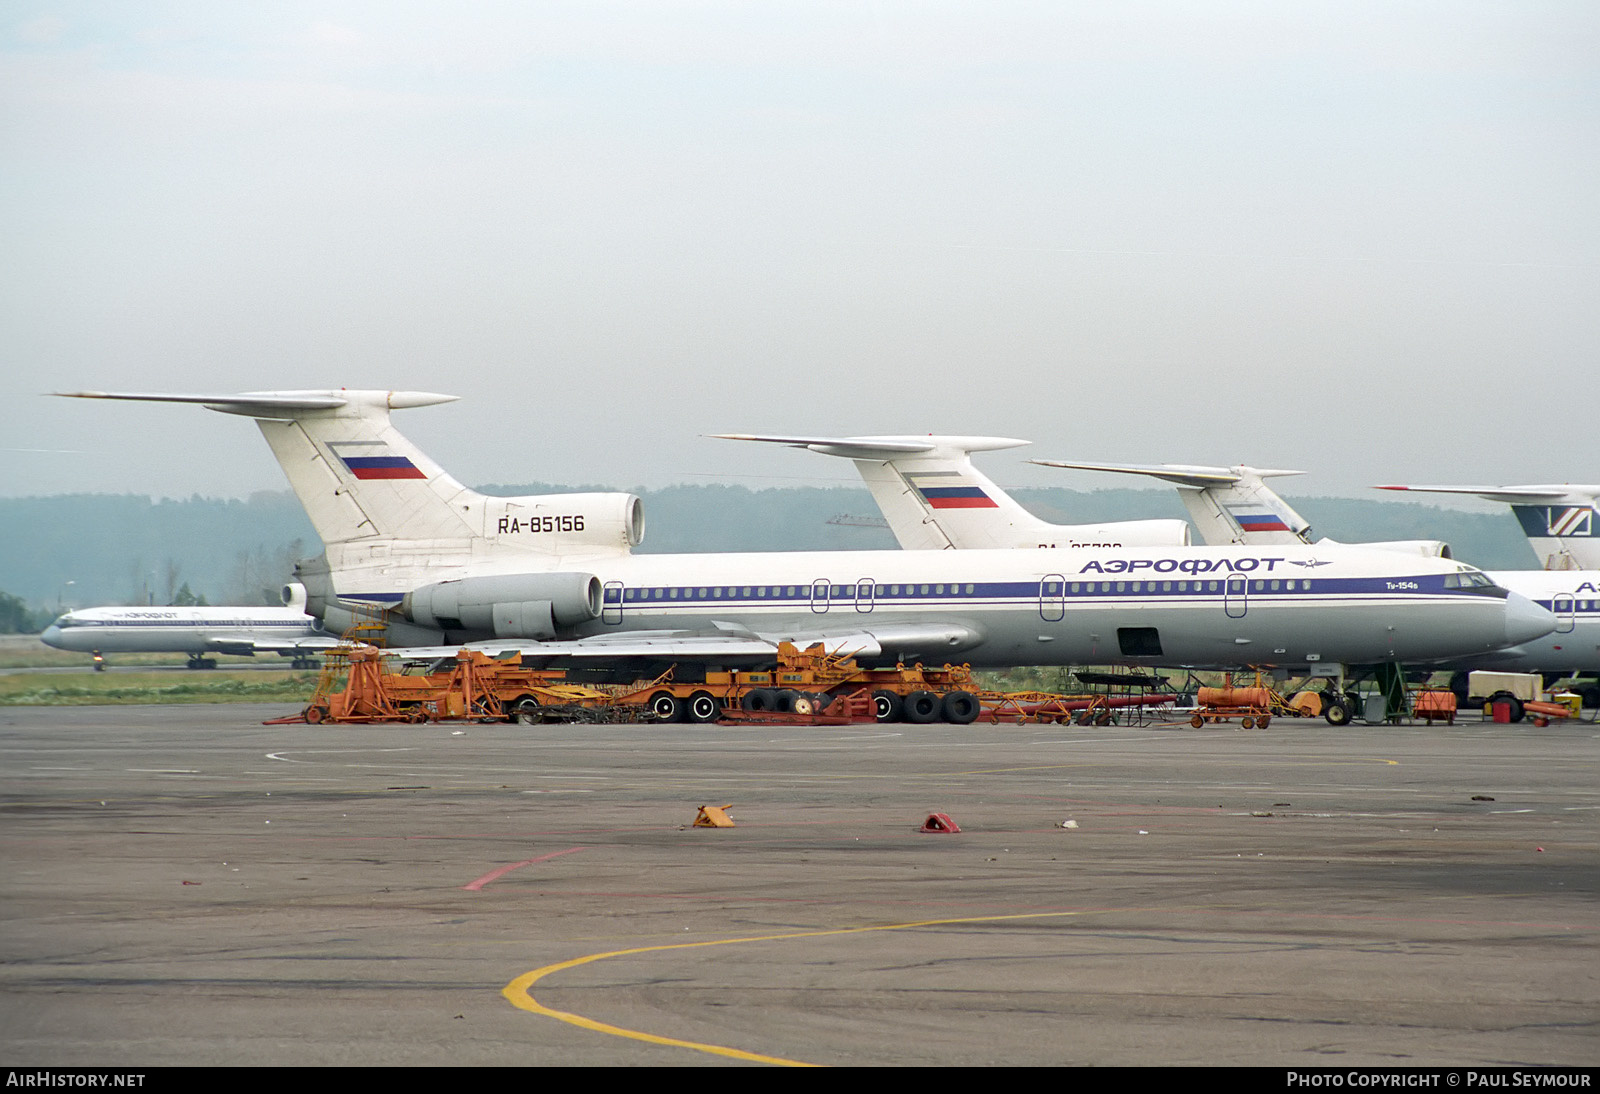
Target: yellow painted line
point(518, 994)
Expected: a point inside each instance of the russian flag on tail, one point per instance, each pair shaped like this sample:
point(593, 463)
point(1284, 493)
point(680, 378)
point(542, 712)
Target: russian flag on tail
point(946, 490)
point(1254, 519)
point(373, 460)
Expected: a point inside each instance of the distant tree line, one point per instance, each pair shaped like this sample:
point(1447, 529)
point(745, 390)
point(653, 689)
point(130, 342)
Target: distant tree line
point(16, 618)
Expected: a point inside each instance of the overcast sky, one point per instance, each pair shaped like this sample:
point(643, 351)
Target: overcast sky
point(1357, 238)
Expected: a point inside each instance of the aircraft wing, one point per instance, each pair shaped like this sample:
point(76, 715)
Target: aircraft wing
point(245, 647)
point(1180, 473)
point(731, 645)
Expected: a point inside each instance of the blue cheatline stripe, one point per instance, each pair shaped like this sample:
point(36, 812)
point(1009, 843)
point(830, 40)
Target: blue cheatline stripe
point(1318, 590)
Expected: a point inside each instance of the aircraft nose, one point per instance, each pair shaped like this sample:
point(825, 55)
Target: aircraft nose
point(51, 636)
point(1526, 621)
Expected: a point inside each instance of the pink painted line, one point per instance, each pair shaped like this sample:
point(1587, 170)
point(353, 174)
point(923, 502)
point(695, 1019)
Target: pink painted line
point(494, 875)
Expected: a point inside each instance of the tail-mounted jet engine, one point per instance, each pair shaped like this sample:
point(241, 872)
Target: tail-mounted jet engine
point(535, 606)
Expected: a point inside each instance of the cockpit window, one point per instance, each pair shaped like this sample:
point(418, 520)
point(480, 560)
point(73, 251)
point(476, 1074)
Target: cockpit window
point(1473, 581)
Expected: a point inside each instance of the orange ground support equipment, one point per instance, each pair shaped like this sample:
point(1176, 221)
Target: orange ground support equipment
point(1434, 704)
point(356, 687)
point(1544, 712)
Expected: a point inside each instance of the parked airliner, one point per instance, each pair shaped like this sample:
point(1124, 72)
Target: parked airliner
point(241, 631)
point(1234, 505)
point(554, 576)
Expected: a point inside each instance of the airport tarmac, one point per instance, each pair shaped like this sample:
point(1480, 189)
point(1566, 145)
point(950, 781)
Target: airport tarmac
point(183, 885)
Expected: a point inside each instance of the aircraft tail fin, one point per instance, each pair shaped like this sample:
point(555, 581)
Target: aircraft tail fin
point(362, 482)
point(935, 499)
point(1227, 504)
point(1559, 519)
point(356, 475)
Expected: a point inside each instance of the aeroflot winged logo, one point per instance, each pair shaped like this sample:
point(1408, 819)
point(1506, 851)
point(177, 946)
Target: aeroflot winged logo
point(949, 490)
point(374, 460)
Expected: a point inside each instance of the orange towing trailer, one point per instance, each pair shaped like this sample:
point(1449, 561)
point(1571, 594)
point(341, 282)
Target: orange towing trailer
point(808, 686)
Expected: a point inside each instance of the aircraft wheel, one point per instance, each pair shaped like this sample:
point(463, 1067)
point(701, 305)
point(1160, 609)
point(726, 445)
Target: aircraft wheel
point(1591, 695)
point(703, 708)
point(960, 708)
point(666, 707)
point(888, 706)
point(1337, 712)
point(922, 707)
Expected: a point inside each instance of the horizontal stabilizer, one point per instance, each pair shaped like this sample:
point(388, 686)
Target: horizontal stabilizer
point(1193, 475)
point(275, 404)
point(880, 448)
point(1513, 495)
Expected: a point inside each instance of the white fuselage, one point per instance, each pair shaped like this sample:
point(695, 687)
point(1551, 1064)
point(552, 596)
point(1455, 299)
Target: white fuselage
point(1288, 605)
point(181, 630)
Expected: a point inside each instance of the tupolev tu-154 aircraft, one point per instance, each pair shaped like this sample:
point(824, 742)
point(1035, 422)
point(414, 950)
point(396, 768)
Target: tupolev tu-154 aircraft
point(1234, 505)
point(197, 631)
point(554, 577)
